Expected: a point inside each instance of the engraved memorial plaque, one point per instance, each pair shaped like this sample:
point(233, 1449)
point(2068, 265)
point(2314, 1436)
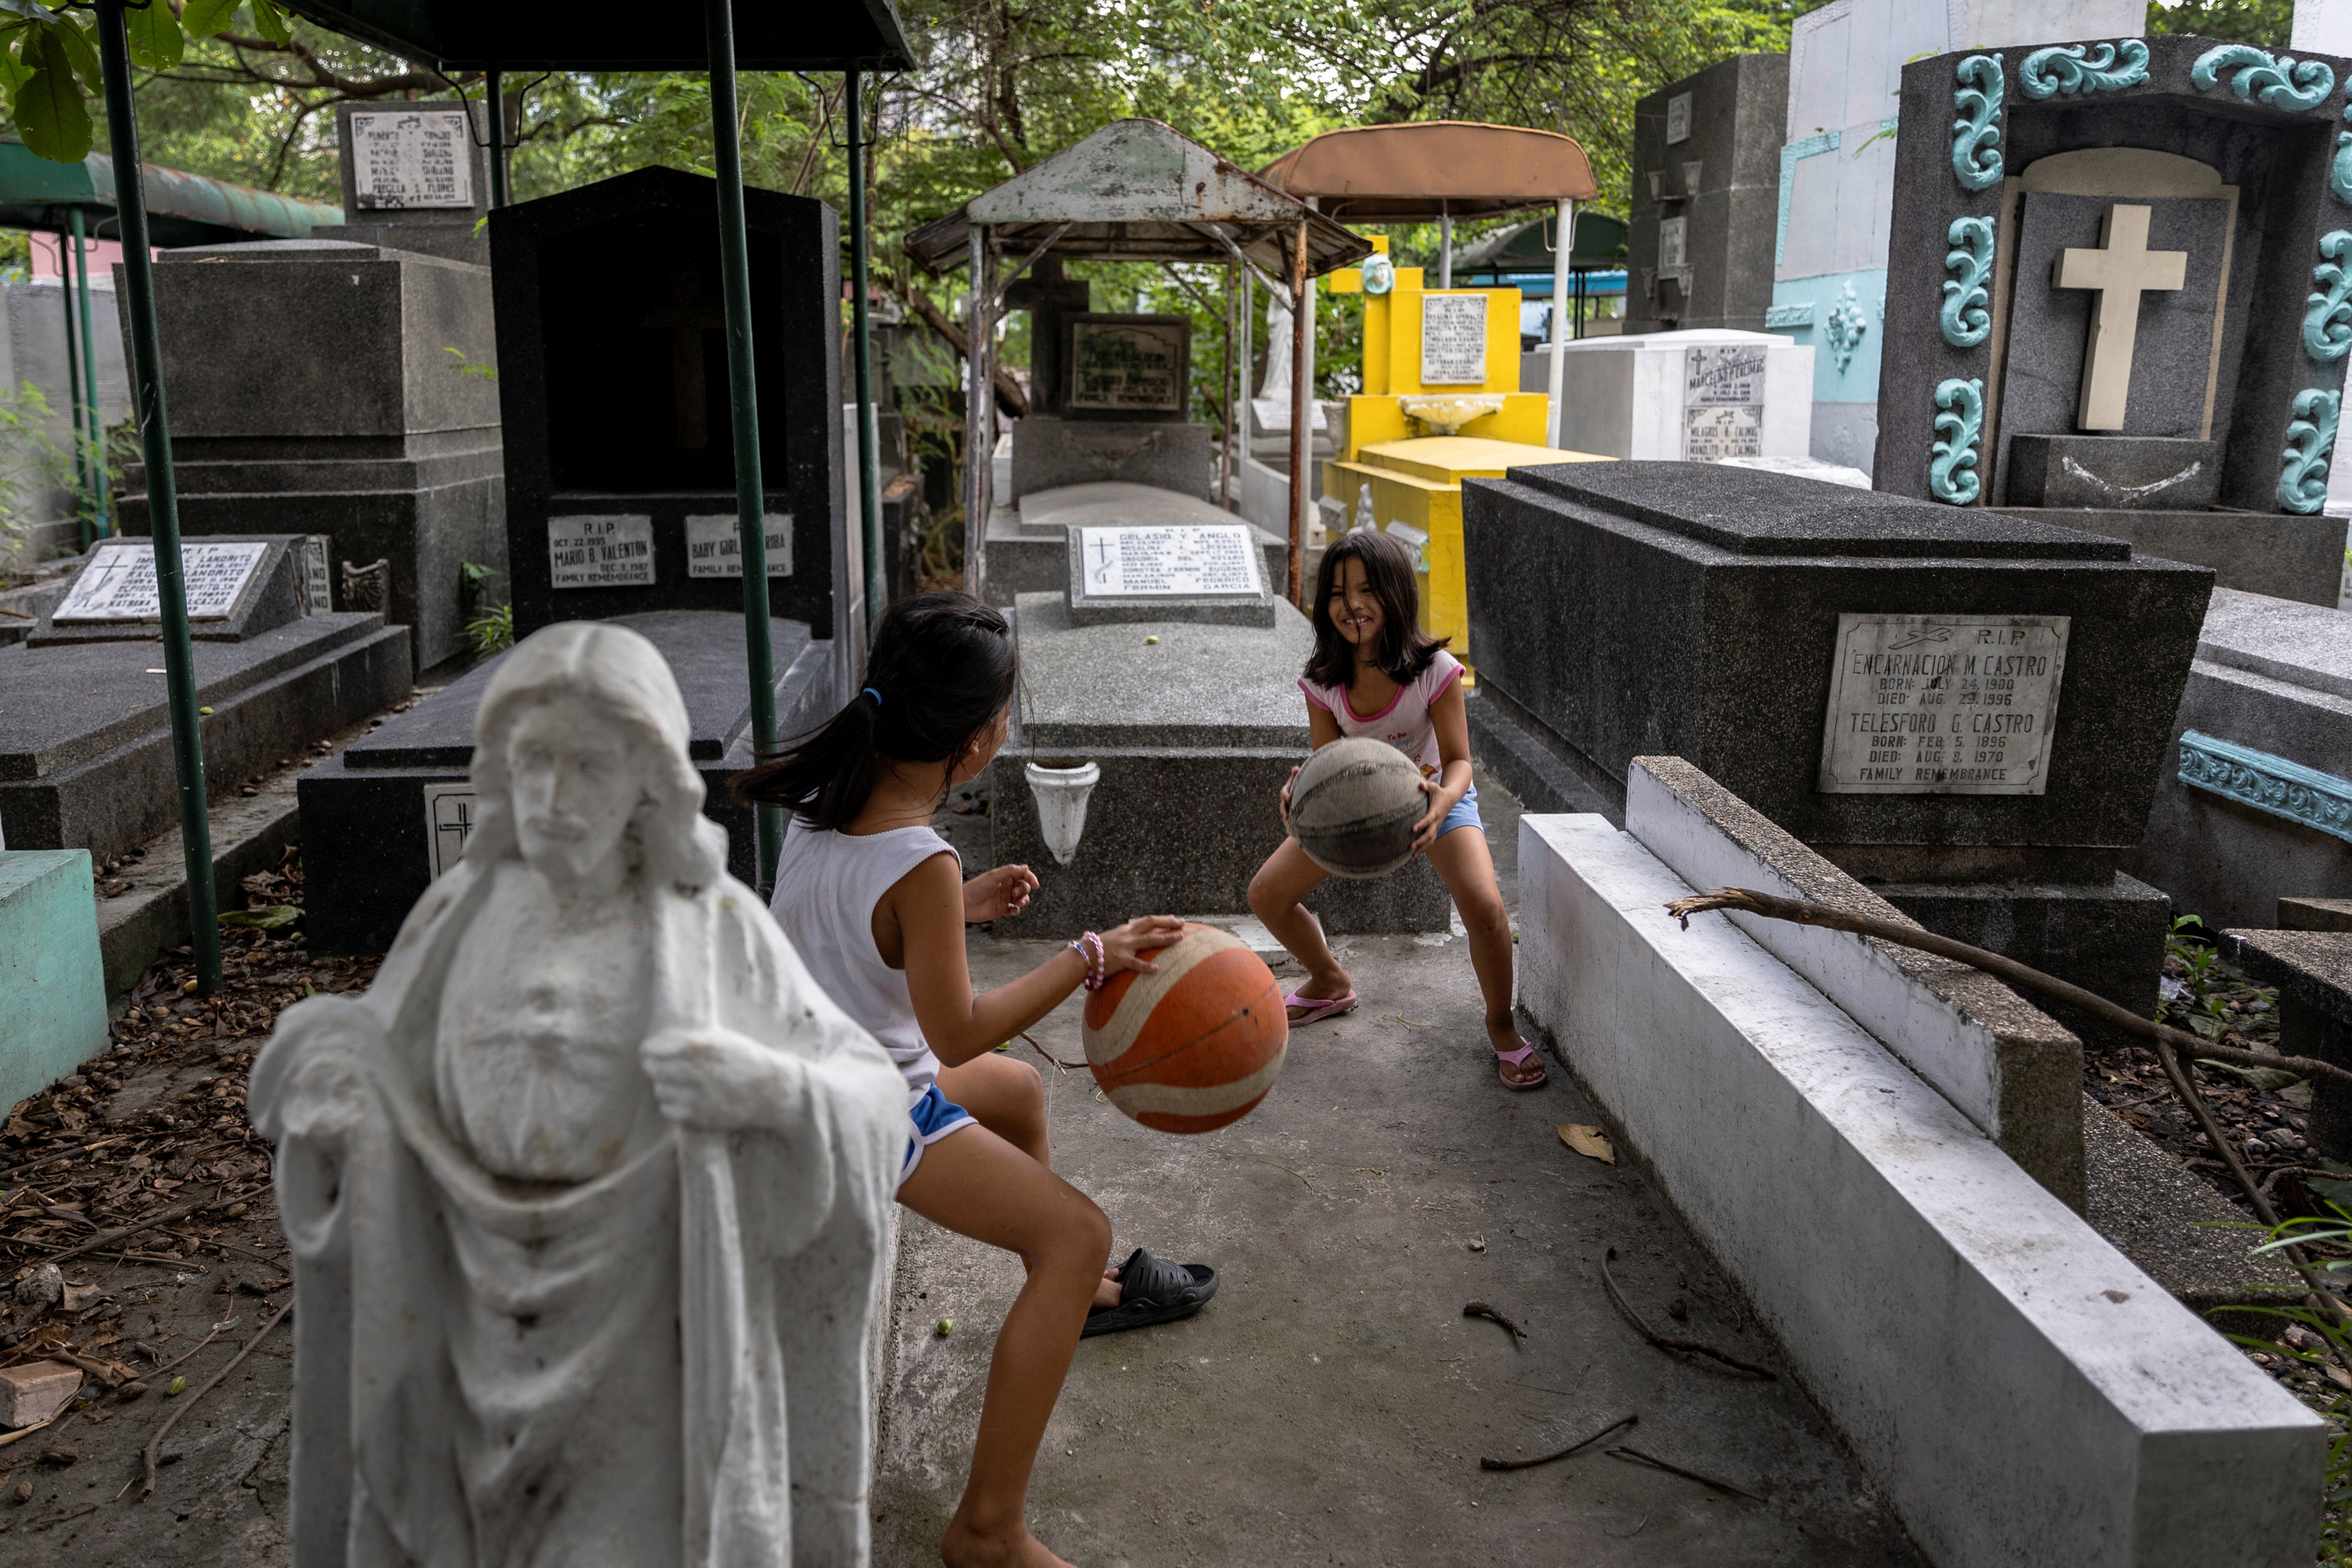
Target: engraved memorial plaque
point(1943, 704)
point(605, 551)
point(1172, 562)
point(1131, 364)
point(448, 824)
point(714, 545)
point(1673, 237)
point(419, 158)
point(1678, 116)
point(1453, 340)
point(1723, 403)
point(119, 583)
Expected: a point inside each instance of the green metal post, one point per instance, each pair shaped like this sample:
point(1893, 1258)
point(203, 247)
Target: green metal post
point(162, 496)
point(494, 84)
point(101, 500)
point(73, 390)
point(743, 402)
point(869, 483)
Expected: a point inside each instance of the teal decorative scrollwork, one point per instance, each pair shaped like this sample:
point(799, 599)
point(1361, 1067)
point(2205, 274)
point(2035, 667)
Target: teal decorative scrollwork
point(2078, 68)
point(2310, 439)
point(1975, 159)
point(1964, 318)
point(1952, 461)
point(1848, 324)
point(2279, 80)
point(2327, 317)
point(2303, 795)
point(2339, 173)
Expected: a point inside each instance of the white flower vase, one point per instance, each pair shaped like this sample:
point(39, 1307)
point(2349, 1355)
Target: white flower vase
point(1061, 794)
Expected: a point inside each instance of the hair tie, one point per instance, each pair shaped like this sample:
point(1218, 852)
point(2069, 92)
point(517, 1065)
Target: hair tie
point(875, 694)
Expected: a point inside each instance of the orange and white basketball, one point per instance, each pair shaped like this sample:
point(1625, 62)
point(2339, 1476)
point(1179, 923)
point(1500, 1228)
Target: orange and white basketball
point(1196, 1046)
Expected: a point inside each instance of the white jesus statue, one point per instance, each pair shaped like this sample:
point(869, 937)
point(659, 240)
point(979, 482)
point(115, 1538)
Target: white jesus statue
point(588, 1193)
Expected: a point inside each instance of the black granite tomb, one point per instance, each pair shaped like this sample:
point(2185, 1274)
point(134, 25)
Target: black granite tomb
point(1711, 613)
point(86, 756)
point(391, 811)
point(613, 382)
point(2175, 207)
point(321, 386)
point(1707, 180)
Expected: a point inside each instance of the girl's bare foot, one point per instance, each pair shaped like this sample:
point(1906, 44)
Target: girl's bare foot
point(964, 1547)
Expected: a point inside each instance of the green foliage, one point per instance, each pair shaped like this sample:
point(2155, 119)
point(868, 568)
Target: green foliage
point(2269, 23)
point(33, 464)
point(492, 631)
point(2317, 1344)
point(2201, 1006)
point(467, 367)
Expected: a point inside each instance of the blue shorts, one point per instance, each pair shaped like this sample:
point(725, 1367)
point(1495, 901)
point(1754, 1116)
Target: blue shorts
point(1464, 814)
point(934, 1117)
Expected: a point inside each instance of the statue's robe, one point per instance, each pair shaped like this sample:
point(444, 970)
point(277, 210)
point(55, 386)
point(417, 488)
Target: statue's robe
point(475, 1356)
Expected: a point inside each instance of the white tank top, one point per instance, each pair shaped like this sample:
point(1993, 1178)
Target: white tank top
point(826, 887)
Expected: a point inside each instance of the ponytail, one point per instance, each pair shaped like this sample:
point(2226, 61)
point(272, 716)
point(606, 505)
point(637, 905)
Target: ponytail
point(941, 670)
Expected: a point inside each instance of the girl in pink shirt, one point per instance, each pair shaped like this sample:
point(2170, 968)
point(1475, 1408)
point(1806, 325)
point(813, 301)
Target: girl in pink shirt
point(1375, 672)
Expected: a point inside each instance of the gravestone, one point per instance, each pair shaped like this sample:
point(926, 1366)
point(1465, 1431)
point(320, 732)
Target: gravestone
point(1837, 176)
point(1121, 407)
point(1966, 710)
point(613, 387)
point(1028, 542)
point(2119, 298)
point(1706, 178)
point(344, 390)
point(613, 393)
point(86, 758)
point(1700, 396)
point(417, 176)
point(1193, 716)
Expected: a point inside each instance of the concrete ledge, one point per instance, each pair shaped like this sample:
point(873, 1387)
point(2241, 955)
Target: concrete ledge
point(249, 834)
point(2005, 1065)
point(2019, 1391)
point(1505, 747)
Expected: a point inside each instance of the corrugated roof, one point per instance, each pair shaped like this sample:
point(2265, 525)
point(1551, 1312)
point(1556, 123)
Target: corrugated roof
point(181, 208)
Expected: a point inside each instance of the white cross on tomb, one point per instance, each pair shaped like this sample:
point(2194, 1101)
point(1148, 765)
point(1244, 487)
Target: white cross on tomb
point(2119, 269)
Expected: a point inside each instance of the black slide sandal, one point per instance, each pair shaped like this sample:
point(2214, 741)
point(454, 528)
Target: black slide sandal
point(1152, 1290)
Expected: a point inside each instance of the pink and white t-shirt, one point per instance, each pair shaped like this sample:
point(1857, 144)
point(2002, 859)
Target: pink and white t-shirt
point(1405, 723)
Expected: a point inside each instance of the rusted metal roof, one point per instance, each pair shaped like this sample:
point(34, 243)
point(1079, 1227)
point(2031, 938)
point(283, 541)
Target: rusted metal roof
point(1425, 169)
point(1137, 190)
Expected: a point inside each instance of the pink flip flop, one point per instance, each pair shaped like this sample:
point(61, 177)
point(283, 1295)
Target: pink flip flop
point(1519, 1059)
point(1318, 1007)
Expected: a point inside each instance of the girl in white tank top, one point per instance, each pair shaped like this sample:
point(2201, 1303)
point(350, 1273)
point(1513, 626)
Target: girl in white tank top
point(876, 905)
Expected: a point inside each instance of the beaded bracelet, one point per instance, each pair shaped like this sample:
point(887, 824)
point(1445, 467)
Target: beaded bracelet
point(1089, 949)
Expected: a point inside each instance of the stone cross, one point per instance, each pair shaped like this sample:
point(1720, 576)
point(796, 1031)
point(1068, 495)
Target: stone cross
point(2119, 271)
point(687, 318)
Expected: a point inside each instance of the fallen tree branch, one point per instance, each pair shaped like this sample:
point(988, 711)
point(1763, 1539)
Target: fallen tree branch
point(1635, 1456)
point(147, 1489)
point(2163, 1040)
point(1664, 1342)
point(161, 1218)
point(1625, 1420)
point(1493, 1315)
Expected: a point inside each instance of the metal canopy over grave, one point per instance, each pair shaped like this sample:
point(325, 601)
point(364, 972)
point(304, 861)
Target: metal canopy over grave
point(2118, 298)
point(1134, 191)
point(1437, 171)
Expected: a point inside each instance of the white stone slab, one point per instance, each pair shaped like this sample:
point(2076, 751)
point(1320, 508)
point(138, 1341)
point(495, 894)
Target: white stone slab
point(1703, 394)
point(119, 582)
point(1453, 340)
point(714, 545)
point(601, 550)
point(1942, 704)
point(412, 158)
point(2017, 1388)
point(1171, 563)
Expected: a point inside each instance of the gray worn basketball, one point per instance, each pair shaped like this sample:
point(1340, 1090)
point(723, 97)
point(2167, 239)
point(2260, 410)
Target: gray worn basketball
point(1353, 805)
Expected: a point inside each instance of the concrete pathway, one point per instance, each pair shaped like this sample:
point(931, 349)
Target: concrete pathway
point(1331, 1405)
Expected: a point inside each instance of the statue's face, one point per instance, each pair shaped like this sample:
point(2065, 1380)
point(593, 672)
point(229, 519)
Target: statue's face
point(576, 784)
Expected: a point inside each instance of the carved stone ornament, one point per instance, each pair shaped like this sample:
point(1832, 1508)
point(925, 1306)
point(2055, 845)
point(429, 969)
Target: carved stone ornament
point(2281, 81)
point(1965, 319)
point(1952, 461)
point(588, 1195)
point(2304, 796)
point(1848, 324)
point(2082, 68)
point(1975, 158)
point(2339, 169)
point(2310, 439)
point(2327, 315)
